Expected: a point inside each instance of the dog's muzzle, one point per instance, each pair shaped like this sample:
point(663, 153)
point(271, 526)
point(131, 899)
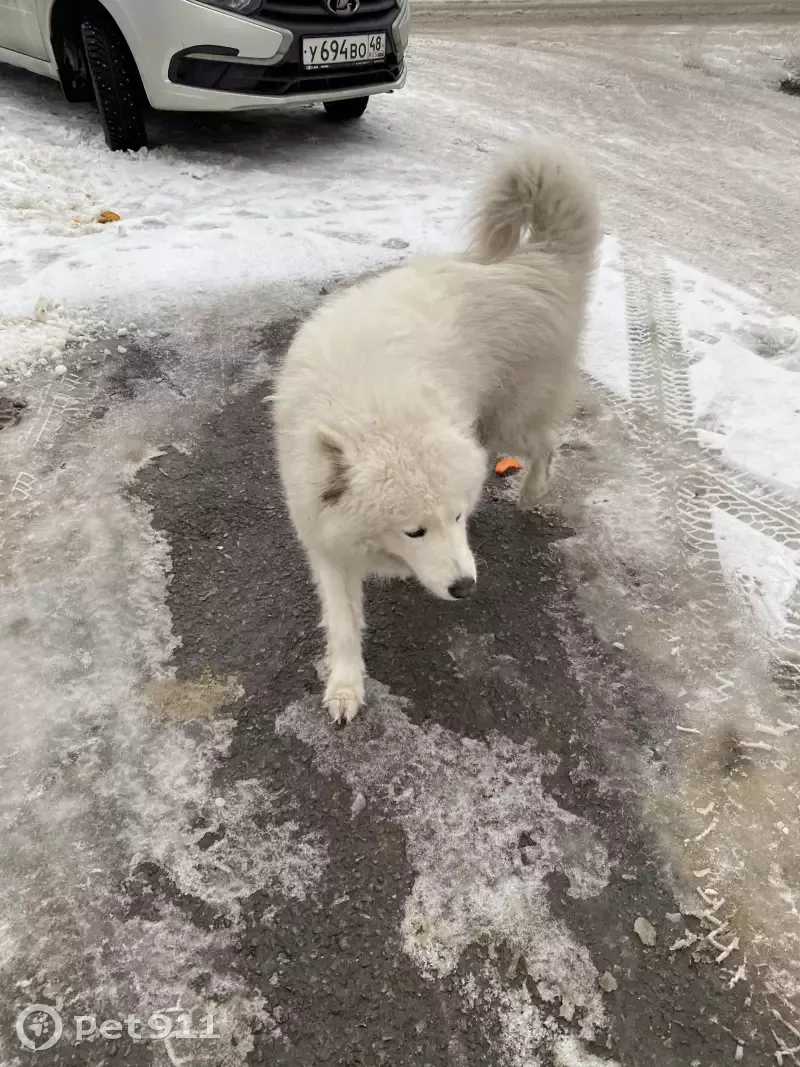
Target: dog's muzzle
point(464, 587)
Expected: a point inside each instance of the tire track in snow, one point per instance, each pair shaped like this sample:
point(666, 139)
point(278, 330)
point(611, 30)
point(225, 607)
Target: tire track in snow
point(729, 850)
point(658, 371)
point(693, 479)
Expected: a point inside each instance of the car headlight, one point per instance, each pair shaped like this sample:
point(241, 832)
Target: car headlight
point(238, 7)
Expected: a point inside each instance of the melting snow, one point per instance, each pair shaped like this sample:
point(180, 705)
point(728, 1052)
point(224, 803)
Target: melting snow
point(464, 806)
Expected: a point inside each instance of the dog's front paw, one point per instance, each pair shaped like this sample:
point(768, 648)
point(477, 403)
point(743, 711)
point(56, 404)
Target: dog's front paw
point(342, 704)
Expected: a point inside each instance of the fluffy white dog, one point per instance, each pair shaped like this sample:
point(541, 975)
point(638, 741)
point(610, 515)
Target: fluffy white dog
point(395, 393)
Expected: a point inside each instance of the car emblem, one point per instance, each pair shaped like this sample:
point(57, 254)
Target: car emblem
point(343, 7)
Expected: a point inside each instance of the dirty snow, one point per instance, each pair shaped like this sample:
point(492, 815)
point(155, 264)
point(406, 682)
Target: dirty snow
point(32, 343)
point(97, 783)
point(464, 805)
point(568, 1053)
point(764, 572)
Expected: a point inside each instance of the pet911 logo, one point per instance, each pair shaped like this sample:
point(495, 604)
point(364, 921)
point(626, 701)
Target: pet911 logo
point(41, 1026)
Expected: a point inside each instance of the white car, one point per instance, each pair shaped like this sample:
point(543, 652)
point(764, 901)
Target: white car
point(208, 55)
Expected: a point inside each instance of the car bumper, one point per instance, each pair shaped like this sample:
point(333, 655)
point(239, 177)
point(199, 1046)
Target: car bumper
point(192, 36)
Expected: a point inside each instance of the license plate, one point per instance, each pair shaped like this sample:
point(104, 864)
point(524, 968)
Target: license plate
point(336, 51)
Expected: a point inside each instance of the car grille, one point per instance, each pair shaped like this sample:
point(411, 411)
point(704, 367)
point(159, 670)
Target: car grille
point(300, 15)
point(285, 79)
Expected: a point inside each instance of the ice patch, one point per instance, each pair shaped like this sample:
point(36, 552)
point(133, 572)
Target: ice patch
point(745, 379)
point(569, 1053)
point(765, 572)
point(123, 859)
point(32, 343)
point(525, 1028)
point(483, 837)
point(728, 805)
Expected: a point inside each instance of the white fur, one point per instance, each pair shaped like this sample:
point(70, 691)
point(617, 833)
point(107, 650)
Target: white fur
point(395, 393)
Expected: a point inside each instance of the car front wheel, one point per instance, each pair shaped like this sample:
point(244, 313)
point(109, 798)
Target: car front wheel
point(117, 85)
point(346, 110)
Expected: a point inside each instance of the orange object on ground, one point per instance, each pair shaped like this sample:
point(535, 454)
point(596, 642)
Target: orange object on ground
point(506, 466)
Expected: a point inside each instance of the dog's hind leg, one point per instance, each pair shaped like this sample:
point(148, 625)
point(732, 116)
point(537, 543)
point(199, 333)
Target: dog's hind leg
point(539, 450)
point(340, 591)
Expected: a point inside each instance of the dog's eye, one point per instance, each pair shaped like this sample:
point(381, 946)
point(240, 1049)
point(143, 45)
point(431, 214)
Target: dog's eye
point(416, 533)
point(458, 518)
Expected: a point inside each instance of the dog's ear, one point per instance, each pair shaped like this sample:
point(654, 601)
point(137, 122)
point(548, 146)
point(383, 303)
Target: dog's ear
point(336, 480)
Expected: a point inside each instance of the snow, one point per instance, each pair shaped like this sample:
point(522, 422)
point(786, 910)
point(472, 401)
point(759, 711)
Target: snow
point(765, 573)
point(197, 222)
point(746, 379)
point(568, 1053)
point(463, 809)
point(192, 222)
point(606, 344)
point(97, 778)
point(32, 343)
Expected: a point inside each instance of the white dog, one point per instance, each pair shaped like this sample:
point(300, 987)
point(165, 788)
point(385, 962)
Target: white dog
point(395, 392)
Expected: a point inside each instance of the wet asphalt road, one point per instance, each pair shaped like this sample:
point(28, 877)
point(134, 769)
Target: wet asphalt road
point(331, 968)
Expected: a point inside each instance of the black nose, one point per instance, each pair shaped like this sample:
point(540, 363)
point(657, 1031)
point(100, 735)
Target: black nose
point(463, 587)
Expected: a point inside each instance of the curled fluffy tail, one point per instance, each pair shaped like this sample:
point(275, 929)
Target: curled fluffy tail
point(538, 197)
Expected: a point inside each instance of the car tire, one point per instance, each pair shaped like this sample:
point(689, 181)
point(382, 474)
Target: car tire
point(346, 110)
point(117, 85)
point(76, 82)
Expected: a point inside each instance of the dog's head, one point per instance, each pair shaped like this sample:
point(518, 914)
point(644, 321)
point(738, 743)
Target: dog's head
point(406, 494)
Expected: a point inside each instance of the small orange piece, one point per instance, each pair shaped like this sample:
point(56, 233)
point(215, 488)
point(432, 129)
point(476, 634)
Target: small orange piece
point(506, 466)
point(108, 216)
